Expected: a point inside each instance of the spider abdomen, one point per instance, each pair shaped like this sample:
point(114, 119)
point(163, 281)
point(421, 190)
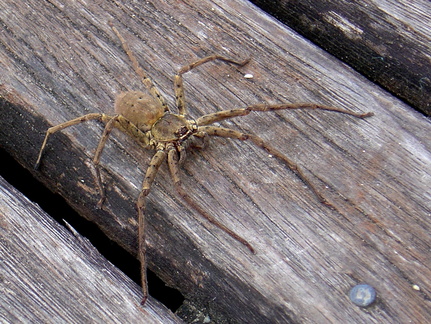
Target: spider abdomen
point(141, 109)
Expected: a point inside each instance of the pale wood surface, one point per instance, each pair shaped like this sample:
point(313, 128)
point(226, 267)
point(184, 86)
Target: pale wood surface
point(48, 275)
point(388, 41)
point(61, 60)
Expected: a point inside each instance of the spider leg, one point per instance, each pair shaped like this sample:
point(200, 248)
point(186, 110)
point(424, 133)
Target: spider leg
point(230, 133)
point(174, 170)
point(226, 114)
point(178, 83)
point(152, 169)
point(101, 117)
point(144, 78)
point(96, 159)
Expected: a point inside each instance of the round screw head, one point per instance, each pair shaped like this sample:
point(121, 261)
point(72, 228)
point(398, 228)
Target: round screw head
point(362, 295)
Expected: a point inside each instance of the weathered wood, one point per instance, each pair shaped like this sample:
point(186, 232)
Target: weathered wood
point(376, 171)
point(388, 41)
point(48, 275)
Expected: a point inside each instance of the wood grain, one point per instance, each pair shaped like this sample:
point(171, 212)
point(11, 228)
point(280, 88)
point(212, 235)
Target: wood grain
point(50, 275)
point(61, 60)
point(387, 41)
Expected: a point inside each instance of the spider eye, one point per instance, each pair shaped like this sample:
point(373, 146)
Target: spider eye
point(181, 132)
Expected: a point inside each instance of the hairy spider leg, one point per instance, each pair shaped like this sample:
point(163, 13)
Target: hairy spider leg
point(94, 116)
point(161, 154)
point(124, 125)
point(175, 174)
point(178, 82)
point(96, 159)
point(173, 163)
point(226, 114)
point(139, 71)
point(230, 133)
point(150, 174)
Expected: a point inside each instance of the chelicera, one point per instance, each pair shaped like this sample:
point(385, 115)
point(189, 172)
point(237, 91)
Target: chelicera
point(147, 119)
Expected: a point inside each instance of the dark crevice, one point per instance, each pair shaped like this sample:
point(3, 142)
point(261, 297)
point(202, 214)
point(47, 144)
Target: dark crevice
point(57, 208)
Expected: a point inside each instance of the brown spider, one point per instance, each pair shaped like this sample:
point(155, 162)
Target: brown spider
point(147, 119)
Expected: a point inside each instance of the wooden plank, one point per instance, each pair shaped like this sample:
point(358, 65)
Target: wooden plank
point(388, 41)
point(376, 171)
point(49, 275)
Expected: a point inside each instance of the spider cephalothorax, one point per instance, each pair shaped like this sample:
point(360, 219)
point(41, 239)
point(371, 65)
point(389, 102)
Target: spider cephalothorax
point(147, 119)
point(155, 124)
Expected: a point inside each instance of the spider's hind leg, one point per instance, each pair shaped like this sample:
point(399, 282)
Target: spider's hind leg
point(76, 121)
point(96, 159)
point(139, 71)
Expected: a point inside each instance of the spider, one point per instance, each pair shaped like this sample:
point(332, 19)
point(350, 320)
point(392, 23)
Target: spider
point(147, 118)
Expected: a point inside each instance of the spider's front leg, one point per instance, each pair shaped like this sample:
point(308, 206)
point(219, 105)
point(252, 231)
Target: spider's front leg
point(178, 84)
point(175, 174)
point(230, 133)
point(225, 132)
point(227, 114)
